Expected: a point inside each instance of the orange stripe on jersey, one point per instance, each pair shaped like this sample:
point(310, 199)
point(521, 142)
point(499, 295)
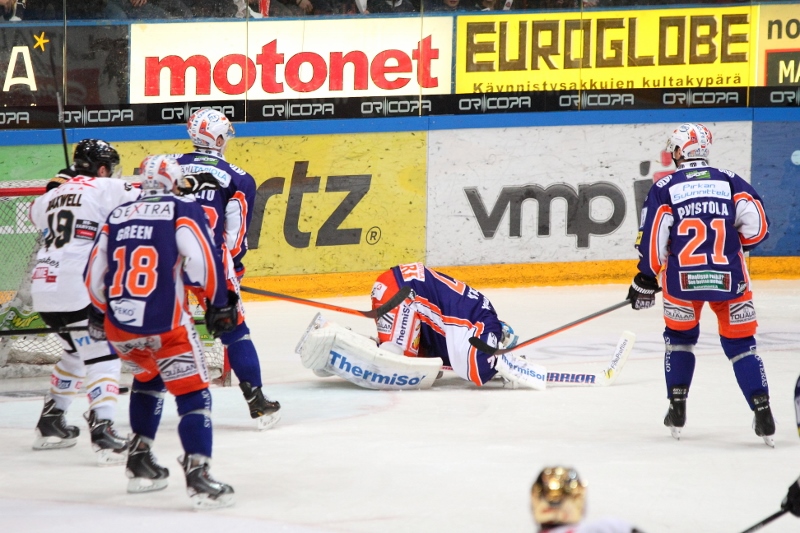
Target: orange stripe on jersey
point(472, 360)
point(746, 197)
point(238, 197)
point(653, 250)
point(210, 284)
point(88, 281)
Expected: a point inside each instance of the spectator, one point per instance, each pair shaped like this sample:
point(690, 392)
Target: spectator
point(153, 9)
point(12, 10)
point(54, 10)
point(444, 5)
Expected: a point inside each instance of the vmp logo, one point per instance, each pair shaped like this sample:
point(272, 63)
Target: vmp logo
point(330, 233)
point(579, 220)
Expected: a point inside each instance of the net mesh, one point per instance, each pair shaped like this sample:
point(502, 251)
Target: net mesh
point(31, 355)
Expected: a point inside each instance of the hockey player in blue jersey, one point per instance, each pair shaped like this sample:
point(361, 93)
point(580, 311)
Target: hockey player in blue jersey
point(695, 227)
point(430, 328)
point(144, 253)
point(226, 193)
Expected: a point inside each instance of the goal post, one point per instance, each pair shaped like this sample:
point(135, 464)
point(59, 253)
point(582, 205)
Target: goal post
point(33, 355)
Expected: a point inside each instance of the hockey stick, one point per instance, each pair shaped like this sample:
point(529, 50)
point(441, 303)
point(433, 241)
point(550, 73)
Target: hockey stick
point(485, 348)
point(797, 403)
point(60, 109)
point(57, 331)
point(393, 302)
point(604, 378)
point(766, 521)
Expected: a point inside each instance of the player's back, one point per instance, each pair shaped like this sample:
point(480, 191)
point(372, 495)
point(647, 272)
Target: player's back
point(228, 208)
point(71, 216)
point(144, 281)
point(705, 246)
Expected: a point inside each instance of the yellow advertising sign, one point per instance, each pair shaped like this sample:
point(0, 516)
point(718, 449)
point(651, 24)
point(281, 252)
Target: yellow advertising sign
point(778, 56)
point(703, 47)
point(326, 203)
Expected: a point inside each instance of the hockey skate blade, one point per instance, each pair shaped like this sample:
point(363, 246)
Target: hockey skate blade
point(138, 485)
point(267, 421)
point(52, 443)
point(769, 440)
point(675, 432)
point(316, 323)
point(107, 457)
point(203, 502)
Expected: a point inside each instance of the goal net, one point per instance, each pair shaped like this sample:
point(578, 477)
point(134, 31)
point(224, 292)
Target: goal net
point(30, 355)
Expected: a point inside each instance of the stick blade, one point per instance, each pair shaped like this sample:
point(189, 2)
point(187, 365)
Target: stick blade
point(620, 357)
point(483, 347)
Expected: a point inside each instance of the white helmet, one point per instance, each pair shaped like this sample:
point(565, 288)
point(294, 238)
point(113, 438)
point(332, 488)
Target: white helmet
point(160, 173)
point(694, 141)
point(558, 497)
point(208, 128)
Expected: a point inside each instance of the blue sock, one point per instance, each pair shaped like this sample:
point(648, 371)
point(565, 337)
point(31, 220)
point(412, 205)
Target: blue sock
point(679, 358)
point(194, 428)
point(747, 365)
point(242, 355)
point(147, 404)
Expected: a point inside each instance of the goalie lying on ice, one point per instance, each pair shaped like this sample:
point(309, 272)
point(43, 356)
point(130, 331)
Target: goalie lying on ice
point(430, 328)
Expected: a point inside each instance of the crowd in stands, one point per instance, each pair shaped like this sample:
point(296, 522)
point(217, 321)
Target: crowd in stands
point(16, 10)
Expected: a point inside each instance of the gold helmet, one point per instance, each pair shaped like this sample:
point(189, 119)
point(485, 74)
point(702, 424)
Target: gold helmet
point(558, 497)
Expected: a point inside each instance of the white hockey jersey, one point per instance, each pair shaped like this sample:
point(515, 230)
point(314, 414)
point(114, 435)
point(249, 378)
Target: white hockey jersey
point(602, 525)
point(70, 217)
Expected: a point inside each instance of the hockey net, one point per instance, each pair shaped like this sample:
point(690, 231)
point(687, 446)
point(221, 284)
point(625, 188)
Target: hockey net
point(31, 355)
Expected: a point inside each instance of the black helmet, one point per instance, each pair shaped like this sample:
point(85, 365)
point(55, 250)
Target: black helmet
point(91, 154)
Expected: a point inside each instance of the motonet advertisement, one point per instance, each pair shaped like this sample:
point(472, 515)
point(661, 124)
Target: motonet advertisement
point(551, 194)
point(779, 46)
point(709, 47)
point(267, 60)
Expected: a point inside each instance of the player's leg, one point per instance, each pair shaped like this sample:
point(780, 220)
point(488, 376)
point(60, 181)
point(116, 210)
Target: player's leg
point(146, 404)
point(102, 388)
point(245, 365)
point(682, 318)
point(52, 430)
point(737, 329)
point(190, 387)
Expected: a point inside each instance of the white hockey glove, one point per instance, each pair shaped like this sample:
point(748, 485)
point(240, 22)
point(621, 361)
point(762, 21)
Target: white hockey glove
point(194, 183)
point(520, 372)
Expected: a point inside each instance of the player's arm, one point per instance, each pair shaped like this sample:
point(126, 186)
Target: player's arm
point(651, 244)
point(202, 260)
point(95, 271)
point(751, 219)
point(238, 213)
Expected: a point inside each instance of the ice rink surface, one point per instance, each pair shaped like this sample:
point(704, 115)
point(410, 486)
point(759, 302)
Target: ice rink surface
point(454, 458)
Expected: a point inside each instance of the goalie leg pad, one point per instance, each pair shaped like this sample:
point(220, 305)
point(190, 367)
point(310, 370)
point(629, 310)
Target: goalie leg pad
point(357, 359)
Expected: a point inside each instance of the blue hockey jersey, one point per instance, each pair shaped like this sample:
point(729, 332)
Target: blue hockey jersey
point(230, 208)
point(696, 225)
point(137, 267)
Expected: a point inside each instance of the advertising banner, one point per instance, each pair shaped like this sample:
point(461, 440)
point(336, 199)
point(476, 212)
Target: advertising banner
point(551, 194)
point(296, 59)
point(778, 57)
point(603, 50)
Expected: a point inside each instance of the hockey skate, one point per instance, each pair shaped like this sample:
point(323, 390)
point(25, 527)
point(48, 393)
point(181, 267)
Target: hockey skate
point(144, 473)
point(676, 416)
point(52, 430)
point(203, 490)
point(266, 412)
point(110, 447)
point(763, 423)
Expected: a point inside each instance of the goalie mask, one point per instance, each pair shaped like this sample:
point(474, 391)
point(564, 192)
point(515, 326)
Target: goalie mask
point(91, 154)
point(558, 497)
point(210, 129)
point(693, 140)
point(160, 173)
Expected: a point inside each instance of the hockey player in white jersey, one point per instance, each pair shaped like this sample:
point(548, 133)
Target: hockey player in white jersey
point(70, 216)
point(558, 504)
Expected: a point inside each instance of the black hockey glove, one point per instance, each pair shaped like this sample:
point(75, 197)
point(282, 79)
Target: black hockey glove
point(642, 293)
point(194, 183)
point(96, 326)
point(791, 502)
point(221, 320)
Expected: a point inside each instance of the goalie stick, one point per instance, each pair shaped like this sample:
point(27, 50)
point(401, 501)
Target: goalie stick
point(604, 378)
point(766, 521)
point(485, 348)
point(393, 302)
